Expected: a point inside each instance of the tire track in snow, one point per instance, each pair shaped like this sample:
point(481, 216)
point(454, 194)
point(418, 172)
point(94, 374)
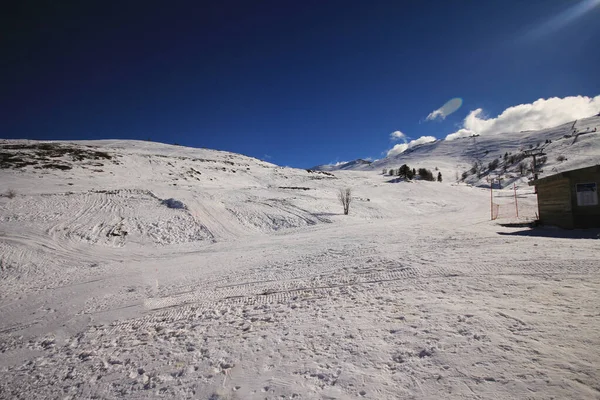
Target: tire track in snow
point(265, 290)
point(320, 266)
point(345, 277)
point(316, 264)
point(549, 267)
point(167, 315)
point(233, 297)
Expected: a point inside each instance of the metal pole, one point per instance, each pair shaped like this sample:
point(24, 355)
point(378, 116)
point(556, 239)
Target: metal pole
point(516, 204)
point(491, 200)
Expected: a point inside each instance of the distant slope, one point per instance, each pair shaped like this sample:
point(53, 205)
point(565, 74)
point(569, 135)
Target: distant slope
point(358, 164)
point(572, 145)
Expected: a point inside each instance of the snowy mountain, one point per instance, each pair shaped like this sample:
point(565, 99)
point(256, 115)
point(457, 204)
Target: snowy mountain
point(572, 145)
point(357, 164)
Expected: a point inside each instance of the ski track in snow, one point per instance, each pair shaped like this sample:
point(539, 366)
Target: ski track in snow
point(256, 290)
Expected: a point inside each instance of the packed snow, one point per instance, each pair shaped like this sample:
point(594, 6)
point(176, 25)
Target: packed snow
point(140, 270)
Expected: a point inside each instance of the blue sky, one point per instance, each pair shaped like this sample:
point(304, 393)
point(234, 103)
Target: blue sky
point(296, 83)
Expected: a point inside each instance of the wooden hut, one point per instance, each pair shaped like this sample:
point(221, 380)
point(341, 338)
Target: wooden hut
point(569, 199)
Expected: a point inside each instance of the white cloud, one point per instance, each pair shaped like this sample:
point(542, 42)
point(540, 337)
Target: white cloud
point(461, 133)
point(435, 114)
point(401, 148)
point(451, 106)
point(335, 164)
point(397, 149)
point(541, 114)
point(397, 135)
point(421, 140)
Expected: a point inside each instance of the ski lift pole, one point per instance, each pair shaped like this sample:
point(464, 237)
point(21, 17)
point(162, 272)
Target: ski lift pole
point(516, 204)
point(491, 200)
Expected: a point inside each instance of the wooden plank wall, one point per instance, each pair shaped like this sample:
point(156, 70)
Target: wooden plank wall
point(554, 203)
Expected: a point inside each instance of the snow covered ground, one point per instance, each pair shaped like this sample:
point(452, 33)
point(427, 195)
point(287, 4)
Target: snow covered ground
point(140, 270)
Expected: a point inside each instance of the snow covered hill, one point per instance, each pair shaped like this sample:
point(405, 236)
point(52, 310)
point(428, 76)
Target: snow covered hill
point(225, 195)
point(572, 145)
point(133, 269)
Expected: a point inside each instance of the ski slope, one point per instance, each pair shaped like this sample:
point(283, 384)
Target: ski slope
point(134, 269)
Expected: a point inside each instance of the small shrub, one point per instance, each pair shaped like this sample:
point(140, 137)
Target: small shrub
point(10, 194)
point(561, 158)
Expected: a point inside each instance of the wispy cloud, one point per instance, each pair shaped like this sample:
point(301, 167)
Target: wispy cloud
point(451, 106)
point(401, 148)
point(336, 163)
point(541, 114)
point(397, 135)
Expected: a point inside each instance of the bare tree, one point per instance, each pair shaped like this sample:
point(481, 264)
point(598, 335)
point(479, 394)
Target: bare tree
point(345, 197)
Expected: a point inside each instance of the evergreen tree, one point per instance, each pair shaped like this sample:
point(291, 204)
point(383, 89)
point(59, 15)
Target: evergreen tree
point(426, 174)
point(439, 178)
point(405, 172)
